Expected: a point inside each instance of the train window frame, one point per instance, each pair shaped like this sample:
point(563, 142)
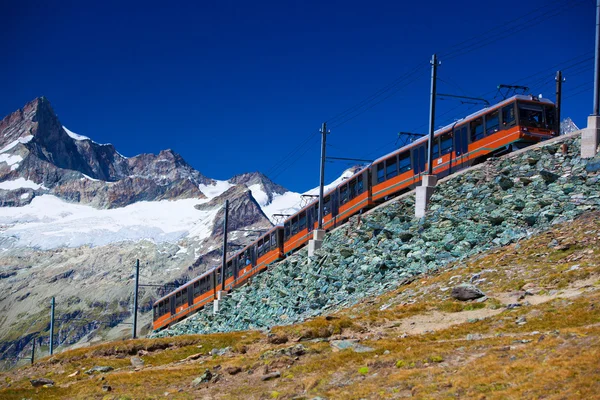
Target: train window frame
point(326, 206)
point(273, 241)
point(473, 125)
point(529, 108)
point(302, 222)
point(436, 148)
point(444, 140)
point(352, 189)
point(550, 110)
point(492, 125)
point(344, 194)
point(294, 226)
point(508, 110)
point(359, 185)
point(404, 162)
point(286, 230)
point(391, 167)
point(380, 172)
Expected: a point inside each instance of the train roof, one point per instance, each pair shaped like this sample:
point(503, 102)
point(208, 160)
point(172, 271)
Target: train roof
point(465, 119)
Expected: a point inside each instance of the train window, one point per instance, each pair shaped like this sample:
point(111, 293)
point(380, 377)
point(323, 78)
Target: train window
point(274, 240)
point(344, 194)
point(380, 172)
point(302, 222)
point(286, 229)
point(229, 269)
point(391, 167)
point(477, 129)
point(197, 289)
point(436, 148)
point(294, 225)
point(259, 246)
point(178, 299)
point(446, 146)
point(508, 116)
point(352, 188)
point(327, 206)
point(531, 115)
point(404, 163)
point(359, 185)
point(492, 123)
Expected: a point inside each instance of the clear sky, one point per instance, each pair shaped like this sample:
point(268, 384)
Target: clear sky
point(240, 86)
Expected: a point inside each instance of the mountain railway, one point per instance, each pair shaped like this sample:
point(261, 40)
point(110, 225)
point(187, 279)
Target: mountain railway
point(512, 124)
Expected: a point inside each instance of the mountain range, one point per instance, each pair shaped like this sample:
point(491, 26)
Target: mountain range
point(77, 214)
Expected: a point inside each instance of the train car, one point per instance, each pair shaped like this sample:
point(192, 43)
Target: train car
point(188, 298)
point(239, 268)
point(514, 123)
point(511, 124)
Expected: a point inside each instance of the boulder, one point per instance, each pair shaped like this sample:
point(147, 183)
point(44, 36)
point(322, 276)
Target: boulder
point(38, 382)
point(466, 292)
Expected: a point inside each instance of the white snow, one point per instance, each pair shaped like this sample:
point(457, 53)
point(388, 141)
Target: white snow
point(216, 189)
point(89, 177)
point(75, 135)
point(13, 161)
point(259, 195)
point(24, 139)
point(48, 223)
point(20, 183)
point(25, 195)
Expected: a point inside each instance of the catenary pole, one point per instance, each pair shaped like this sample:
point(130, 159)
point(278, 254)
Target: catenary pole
point(135, 299)
point(559, 80)
point(322, 180)
point(434, 65)
point(224, 261)
point(597, 62)
point(52, 326)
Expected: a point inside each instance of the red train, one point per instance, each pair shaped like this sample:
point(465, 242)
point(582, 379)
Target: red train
point(514, 123)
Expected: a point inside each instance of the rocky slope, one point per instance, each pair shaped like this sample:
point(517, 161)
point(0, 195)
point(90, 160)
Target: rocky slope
point(495, 204)
point(535, 334)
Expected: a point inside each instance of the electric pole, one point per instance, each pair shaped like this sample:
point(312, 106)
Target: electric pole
point(559, 80)
point(434, 65)
point(52, 326)
point(135, 299)
point(597, 62)
point(322, 181)
point(224, 263)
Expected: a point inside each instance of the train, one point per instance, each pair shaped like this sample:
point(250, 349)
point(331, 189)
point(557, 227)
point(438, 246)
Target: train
point(513, 123)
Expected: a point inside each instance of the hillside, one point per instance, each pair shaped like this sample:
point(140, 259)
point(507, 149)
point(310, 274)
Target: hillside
point(536, 334)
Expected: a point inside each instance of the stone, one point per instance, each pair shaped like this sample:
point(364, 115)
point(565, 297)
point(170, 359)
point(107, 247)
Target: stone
point(97, 368)
point(466, 292)
point(74, 374)
point(38, 382)
point(339, 345)
point(106, 388)
point(548, 176)
point(271, 375)
point(504, 182)
point(233, 370)
point(136, 362)
point(204, 378)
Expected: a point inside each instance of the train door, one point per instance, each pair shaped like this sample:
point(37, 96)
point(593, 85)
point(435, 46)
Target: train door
point(190, 293)
point(461, 144)
point(172, 304)
point(311, 217)
point(419, 159)
point(335, 206)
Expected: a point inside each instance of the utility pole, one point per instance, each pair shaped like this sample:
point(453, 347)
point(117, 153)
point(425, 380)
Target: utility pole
point(52, 326)
point(559, 81)
point(319, 234)
point(224, 262)
point(322, 180)
point(135, 299)
point(590, 136)
point(434, 65)
point(428, 181)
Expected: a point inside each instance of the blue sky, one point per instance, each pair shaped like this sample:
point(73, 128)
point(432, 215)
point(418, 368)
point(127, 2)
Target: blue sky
point(237, 86)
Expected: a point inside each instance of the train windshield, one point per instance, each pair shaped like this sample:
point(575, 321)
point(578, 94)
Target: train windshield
point(536, 116)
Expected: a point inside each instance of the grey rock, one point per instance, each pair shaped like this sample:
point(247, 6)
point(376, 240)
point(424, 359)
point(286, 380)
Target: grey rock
point(98, 368)
point(269, 376)
point(136, 361)
point(548, 176)
point(466, 292)
point(41, 382)
point(350, 344)
point(204, 378)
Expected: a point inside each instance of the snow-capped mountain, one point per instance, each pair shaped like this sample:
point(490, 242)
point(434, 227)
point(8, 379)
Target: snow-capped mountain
point(75, 215)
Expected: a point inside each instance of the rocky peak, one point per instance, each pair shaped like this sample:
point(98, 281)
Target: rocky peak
point(244, 210)
point(259, 181)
